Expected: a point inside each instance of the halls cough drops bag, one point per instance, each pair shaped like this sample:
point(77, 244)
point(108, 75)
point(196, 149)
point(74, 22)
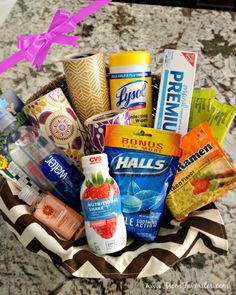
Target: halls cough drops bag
point(143, 161)
point(204, 173)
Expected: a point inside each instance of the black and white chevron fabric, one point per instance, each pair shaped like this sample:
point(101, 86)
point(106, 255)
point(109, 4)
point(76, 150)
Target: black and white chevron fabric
point(203, 232)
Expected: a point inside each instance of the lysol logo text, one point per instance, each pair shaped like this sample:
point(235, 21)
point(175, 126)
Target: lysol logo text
point(132, 94)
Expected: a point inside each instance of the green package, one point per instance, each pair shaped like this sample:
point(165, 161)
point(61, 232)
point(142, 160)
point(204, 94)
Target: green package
point(205, 107)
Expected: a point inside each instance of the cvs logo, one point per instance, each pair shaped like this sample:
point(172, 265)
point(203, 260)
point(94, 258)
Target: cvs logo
point(95, 159)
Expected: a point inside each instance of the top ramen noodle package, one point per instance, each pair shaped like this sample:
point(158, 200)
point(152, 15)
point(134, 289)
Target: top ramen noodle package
point(143, 161)
point(204, 173)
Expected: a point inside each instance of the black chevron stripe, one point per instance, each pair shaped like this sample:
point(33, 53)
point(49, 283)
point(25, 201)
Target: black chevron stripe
point(7, 197)
point(206, 225)
point(138, 263)
point(35, 246)
point(208, 243)
point(102, 266)
point(178, 238)
point(25, 220)
point(106, 269)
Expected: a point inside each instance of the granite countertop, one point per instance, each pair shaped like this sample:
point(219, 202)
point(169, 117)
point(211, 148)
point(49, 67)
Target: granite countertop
point(114, 28)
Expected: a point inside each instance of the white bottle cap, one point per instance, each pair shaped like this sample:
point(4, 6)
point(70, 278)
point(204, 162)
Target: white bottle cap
point(94, 160)
point(29, 195)
point(6, 119)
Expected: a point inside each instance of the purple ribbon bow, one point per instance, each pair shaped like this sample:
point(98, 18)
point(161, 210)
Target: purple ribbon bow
point(34, 48)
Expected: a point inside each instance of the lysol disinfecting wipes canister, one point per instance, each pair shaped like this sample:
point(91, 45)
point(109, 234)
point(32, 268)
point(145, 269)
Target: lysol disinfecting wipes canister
point(130, 85)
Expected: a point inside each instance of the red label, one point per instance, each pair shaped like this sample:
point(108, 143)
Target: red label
point(190, 57)
point(95, 159)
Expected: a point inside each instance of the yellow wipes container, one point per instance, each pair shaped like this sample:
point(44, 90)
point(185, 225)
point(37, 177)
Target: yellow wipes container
point(131, 85)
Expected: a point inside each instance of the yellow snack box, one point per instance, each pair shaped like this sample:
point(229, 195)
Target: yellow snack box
point(204, 173)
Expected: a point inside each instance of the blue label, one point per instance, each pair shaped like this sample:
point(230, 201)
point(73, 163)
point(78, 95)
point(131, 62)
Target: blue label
point(68, 179)
point(3, 104)
point(146, 225)
point(101, 209)
point(173, 96)
point(163, 99)
point(56, 168)
point(144, 179)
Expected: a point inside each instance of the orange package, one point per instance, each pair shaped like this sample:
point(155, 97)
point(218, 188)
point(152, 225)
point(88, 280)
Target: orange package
point(204, 173)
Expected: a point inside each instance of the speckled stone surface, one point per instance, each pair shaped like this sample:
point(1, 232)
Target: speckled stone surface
point(114, 28)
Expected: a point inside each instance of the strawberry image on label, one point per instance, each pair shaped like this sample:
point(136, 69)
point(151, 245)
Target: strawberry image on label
point(101, 204)
point(105, 229)
point(100, 188)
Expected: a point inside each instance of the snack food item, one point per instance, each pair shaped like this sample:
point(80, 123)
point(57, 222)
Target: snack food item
point(175, 94)
point(130, 85)
point(204, 173)
point(143, 161)
point(206, 108)
point(104, 222)
point(96, 126)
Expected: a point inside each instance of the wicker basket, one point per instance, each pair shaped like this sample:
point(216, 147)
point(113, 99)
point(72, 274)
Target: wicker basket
point(176, 240)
